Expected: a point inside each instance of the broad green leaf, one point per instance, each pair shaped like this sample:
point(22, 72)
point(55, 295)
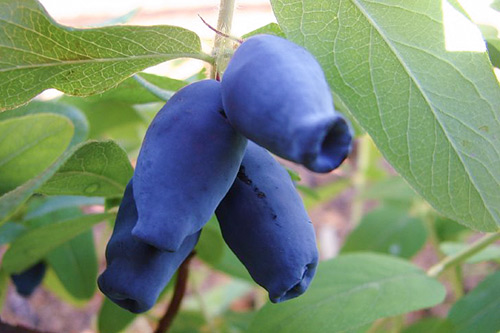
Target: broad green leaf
point(351, 291)
point(492, 252)
point(11, 201)
point(430, 325)
point(52, 283)
point(9, 231)
point(4, 287)
point(324, 193)
point(392, 190)
point(41, 206)
point(219, 298)
point(97, 169)
point(387, 230)
point(189, 322)
point(29, 144)
point(449, 230)
point(211, 246)
point(112, 318)
point(131, 92)
point(75, 264)
point(490, 35)
point(105, 115)
point(36, 243)
point(37, 53)
point(425, 94)
point(212, 250)
point(478, 310)
point(78, 119)
point(268, 29)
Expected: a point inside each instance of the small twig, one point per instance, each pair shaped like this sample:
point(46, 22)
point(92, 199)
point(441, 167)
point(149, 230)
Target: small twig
point(220, 33)
point(461, 256)
point(175, 304)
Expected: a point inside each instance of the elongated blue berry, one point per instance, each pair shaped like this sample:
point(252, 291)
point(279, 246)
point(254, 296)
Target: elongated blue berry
point(187, 163)
point(275, 93)
point(27, 281)
point(265, 224)
point(137, 272)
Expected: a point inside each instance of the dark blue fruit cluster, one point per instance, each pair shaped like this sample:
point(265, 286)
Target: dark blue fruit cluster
point(197, 159)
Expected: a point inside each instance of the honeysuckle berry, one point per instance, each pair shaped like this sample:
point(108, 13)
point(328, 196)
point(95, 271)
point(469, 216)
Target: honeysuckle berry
point(187, 163)
point(264, 222)
point(275, 93)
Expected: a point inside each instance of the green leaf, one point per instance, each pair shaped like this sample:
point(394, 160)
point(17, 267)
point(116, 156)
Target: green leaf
point(324, 193)
point(78, 119)
point(212, 249)
point(29, 144)
point(393, 190)
point(4, 287)
point(495, 5)
point(387, 230)
point(189, 322)
point(96, 169)
point(10, 202)
point(75, 264)
point(9, 231)
point(430, 325)
point(268, 29)
point(440, 132)
point(36, 243)
point(478, 311)
point(492, 252)
point(52, 283)
point(131, 92)
point(112, 318)
point(37, 53)
point(351, 291)
point(41, 206)
point(490, 35)
point(211, 246)
point(449, 230)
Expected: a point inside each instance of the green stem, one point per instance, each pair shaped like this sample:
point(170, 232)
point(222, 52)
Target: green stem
point(453, 276)
point(461, 256)
point(222, 43)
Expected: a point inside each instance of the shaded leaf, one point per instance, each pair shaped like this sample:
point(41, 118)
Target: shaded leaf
point(11, 201)
point(213, 251)
point(4, 287)
point(381, 59)
point(36, 243)
point(41, 206)
point(268, 29)
point(80, 123)
point(37, 53)
point(430, 325)
point(9, 231)
point(75, 264)
point(350, 291)
point(387, 230)
point(96, 169)
point(112, 318)
point(478, 310)
point(29, 144)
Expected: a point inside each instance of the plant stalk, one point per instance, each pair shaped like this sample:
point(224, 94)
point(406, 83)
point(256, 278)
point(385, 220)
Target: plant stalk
point(175, 304)
point(223, 44)
point(461, 256)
